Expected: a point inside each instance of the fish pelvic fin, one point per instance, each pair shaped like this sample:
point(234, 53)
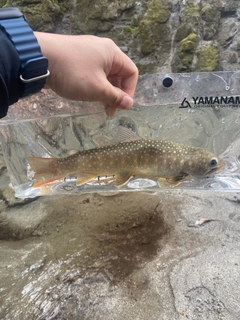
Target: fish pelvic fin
point(84, 178)
point(122, 179)
point(45, 170)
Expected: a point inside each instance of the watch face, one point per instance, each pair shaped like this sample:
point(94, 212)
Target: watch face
point(10, 13)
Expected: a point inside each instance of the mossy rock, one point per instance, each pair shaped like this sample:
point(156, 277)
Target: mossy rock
point(158, 11)
point(153, 31)
point(183, 58)
point(207, 58)
point(192, 13)
point(189, 43)
point(2, 3)
point(41, 15)
point(144, 68)
point(183, 31)
point(211, 14)
point(94, 17)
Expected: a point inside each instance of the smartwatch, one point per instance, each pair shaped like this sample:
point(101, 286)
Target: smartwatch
point(34, 66)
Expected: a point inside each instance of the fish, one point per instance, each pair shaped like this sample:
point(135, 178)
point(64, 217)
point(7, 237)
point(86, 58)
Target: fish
point(123, 160)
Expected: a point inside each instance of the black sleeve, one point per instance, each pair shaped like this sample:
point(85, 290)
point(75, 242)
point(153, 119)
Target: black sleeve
point(10, 85)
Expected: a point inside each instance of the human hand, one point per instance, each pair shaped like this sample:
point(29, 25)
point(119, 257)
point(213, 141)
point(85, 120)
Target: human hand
point(89, 68)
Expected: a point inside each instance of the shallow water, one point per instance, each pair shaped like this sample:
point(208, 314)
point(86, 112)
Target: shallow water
point(121, 256)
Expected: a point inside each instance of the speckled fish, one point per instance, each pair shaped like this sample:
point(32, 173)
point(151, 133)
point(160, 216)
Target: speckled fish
point(138, 157)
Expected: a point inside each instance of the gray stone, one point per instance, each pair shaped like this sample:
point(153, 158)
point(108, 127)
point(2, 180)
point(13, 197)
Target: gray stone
point(134, 255)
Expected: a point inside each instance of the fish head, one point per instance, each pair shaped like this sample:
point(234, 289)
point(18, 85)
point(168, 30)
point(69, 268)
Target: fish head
point(202, 163)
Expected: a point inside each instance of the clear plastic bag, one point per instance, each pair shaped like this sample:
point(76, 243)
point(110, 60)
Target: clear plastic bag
point(195, 109)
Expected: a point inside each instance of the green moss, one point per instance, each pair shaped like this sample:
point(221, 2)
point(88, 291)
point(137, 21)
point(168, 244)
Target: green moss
point(183, 59)
point(183, 31)
point(192, 13)
point(159, 11)
point(5, 3)
point(189, 43)
point(42, 16)
point(208, 58)
point(152, 29)
point(146, 67)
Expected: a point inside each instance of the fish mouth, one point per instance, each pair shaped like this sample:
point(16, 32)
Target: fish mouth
point(216, 170)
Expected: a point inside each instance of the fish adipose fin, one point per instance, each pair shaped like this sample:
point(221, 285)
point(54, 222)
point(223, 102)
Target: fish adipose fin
point(44, 170)
point(121, 179)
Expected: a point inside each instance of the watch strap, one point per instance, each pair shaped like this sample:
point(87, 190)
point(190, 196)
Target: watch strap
point(34, 66)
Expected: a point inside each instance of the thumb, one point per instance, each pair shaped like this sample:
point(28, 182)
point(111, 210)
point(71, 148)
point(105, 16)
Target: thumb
point(125, 103)
point(116, 98)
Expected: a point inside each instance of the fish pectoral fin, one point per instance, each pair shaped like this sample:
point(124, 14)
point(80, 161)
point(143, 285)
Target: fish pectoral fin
point(84, 178)
point(177, 178)
point(166, 182)
point(121, 179)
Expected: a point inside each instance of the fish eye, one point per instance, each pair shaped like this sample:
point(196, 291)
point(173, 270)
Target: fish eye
point(213, 162)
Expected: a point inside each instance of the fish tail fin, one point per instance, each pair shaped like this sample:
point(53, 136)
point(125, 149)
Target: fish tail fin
point(45, 170)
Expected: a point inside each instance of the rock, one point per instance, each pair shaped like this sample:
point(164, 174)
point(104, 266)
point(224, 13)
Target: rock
point(129, 256)
point(184, 55)
point(183, 31)
point(207, 58)
point(153, 31)
point(210, 14)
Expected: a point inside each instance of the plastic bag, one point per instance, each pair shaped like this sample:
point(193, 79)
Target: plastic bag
point(195, 109)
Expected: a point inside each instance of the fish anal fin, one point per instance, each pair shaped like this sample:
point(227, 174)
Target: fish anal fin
point(84, 178)
point(121, 179)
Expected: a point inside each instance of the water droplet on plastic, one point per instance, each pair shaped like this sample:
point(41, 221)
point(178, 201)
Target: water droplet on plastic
point(155, 92)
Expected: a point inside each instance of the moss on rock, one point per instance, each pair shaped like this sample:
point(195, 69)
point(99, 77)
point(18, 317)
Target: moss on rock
point(97, 16)
point(183, 31)
point(208, 58)
point(183, 59)
point(192, 12)
point(210, 14)
point(41, 15)
point(189, 43)
point(153, 31)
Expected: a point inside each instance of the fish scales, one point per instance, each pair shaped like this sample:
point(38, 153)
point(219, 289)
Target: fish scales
point(146, 158)
point(135, 157)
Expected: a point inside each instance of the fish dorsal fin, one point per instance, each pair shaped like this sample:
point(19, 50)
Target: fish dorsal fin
point(123, 135)
point(101, 141)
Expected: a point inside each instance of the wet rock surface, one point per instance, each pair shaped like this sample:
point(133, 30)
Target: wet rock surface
point(171, 255)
